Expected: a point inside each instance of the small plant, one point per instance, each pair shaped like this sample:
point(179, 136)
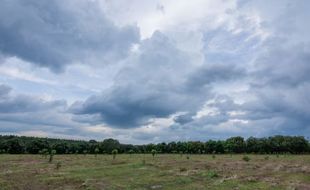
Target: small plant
point(96, 151)
point(246, 158)
point(58, 165)
point(52, 153)
point(212, 174)
point(183, 169)
point(153, 153)
point(213, 156)
point(114, 152)
point(266, 158)
point(187, 157)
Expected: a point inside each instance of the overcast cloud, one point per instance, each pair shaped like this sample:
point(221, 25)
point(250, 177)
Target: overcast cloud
point(156, 70)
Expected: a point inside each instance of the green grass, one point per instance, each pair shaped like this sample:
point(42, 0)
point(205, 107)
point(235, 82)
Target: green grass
point(163, 172)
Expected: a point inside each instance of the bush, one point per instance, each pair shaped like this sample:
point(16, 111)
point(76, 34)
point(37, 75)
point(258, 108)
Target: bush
point(114, 152)
point(212, 174)
point(153, 152)
point(246, 158)
point(52, 153)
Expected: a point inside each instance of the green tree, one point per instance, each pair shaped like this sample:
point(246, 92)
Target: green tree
point(235, 145)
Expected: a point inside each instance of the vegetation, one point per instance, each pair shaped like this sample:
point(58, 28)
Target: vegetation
point(52, 153)
point(271, 145)
point(153, 153)
point(114, 152)
point(96, 151)
point(169, 172)
point(246, 158)
point(220, 169)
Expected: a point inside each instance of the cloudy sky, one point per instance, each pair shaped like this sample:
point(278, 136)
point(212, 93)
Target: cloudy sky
point(156, 70)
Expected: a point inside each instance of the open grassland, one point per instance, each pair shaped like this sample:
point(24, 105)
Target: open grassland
point(164, 171)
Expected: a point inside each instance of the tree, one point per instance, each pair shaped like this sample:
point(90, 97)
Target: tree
point(108, 145)
point(15, 146)
point(61, 147)
point(36, 145)
point(235, 145)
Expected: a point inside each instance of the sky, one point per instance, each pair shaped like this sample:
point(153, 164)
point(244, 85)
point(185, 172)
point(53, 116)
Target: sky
point(154, 71)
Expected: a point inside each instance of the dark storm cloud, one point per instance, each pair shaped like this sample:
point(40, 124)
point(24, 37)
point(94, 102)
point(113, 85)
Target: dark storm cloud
point(55, 33)
point(150, 86)
point(156, 85)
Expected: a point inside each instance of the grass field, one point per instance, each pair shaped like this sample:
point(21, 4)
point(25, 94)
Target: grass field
point(163, 172)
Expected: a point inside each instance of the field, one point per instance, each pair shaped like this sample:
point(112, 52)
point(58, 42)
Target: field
point(165, 171)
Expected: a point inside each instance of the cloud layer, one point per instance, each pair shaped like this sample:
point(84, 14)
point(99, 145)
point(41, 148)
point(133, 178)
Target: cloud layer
point(150, 72)
point(56, 33)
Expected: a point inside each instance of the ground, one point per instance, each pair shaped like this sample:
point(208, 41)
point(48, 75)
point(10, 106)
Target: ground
point(166, 171)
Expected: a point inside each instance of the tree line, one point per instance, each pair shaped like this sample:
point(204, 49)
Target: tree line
point(269, 145)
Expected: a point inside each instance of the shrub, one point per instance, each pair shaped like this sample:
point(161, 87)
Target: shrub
point(114, 152)
point(153, 152)
point(212, 174)
point(52, 153)
point(246, 158)
point(96, 151)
